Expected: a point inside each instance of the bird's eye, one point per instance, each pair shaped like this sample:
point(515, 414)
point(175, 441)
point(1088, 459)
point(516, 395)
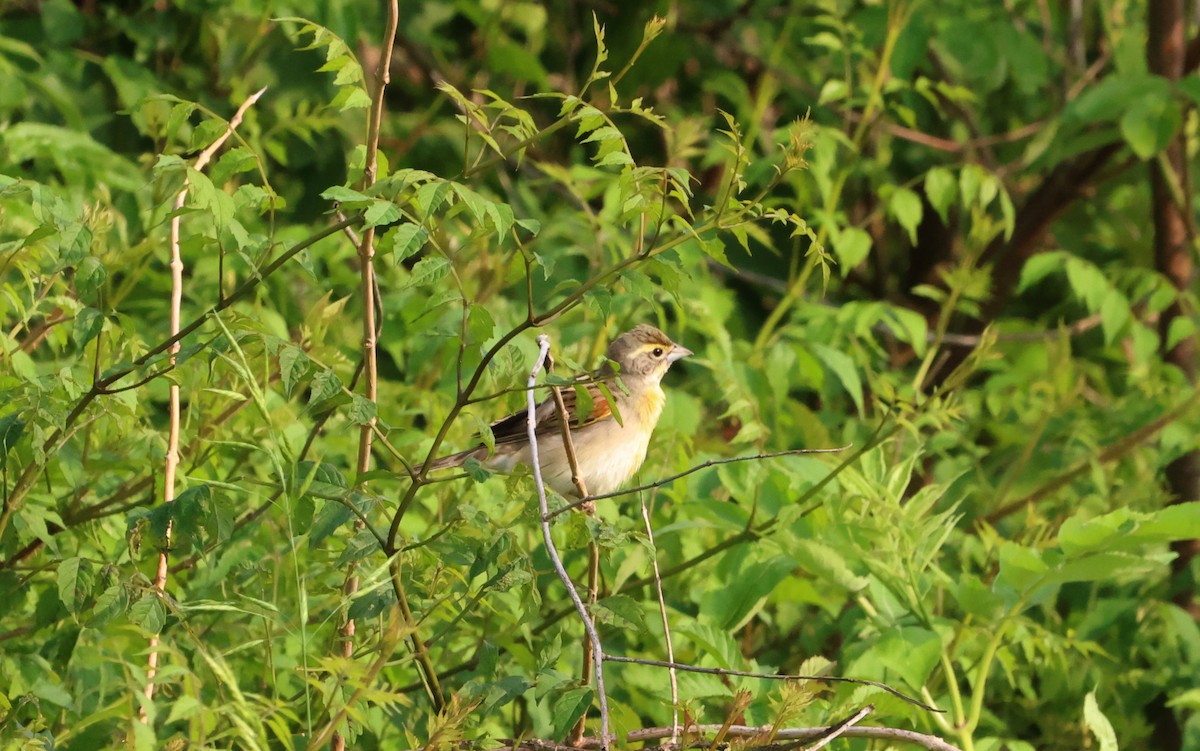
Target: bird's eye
point(657, 352)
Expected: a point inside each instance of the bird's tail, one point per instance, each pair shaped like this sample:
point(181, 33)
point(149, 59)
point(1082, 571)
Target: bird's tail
point(457, 460)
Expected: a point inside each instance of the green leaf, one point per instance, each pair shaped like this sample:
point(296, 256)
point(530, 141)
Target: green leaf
point(407, 240)
point(331, 517)
point(381, 212)
point(1179, 521)
point(911, 652)
point(345, 195)
point(293, 364)
point(1020, 567)
point(843, 367)
point(622, 611)
point(475, 470)
point(76, 580)
point(942, 190)
point(729, 609)
point(88, 323)
point(208, 198)
point(325, 385)
point(970, 180)
point(1039, 266)
point(1150, 124)
point(362, 410)
point(977, 599)
point(428, 271)
point(851, 245)
point(89, 275)
point(1180, 328)
point(1087, 282)
point(481, 327)
point(821, 560)
point(12, 427)
point(905, 206)
point(584, 404)
point(1114, 96)
point(1096, 722)
point(567, 707)
point(149, 613)
point(1115, 315)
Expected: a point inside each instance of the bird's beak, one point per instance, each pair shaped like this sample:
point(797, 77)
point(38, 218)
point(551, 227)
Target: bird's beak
point(678, 353)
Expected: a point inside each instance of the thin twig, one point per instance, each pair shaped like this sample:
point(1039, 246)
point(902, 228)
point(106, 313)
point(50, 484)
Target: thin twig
point(841, 728)
point(172, 457)
point(110, 390)
point(662, 609)
point(686, 472)
point(771, 677)
point(534, 461)
point(933, 743)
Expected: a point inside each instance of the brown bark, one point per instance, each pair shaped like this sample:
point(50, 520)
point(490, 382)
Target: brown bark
point(1166, 53)
point(1173, 258)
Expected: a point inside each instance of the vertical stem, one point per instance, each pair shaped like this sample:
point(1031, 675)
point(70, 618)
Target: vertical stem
point(1174, 240)
point(662, 609)
point(1174, 236)
point(172, 458)
point(544, 509)
point(589, 656)
point(366, 259)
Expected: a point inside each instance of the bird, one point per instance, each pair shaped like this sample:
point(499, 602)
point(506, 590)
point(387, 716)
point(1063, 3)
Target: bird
point(610, 444)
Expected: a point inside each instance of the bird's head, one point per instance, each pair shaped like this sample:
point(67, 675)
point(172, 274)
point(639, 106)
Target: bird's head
point(645, 352)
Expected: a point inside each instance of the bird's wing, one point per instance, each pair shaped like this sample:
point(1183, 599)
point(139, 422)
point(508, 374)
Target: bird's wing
point(513, 428)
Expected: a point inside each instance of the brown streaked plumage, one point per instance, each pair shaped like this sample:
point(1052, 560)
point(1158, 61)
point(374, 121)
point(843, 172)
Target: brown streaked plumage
point(608, 452)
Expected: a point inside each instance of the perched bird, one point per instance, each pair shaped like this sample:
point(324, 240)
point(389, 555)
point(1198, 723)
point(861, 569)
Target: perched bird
point(608, 452)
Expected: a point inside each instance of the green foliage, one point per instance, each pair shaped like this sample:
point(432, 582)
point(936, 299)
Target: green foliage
point(827, 204)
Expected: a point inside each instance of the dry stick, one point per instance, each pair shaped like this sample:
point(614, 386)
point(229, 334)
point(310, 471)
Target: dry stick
point(685, 473)
point(662, 609)
point(772, 677)
point(172, 459)
point(931, 742)
point(534, 461)
point(366, 261)
point(841, 728)
point(564, 424)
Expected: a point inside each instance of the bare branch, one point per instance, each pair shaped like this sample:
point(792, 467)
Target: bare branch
point(662, 610)
point(686, 472)
point(772, 677)
point(535, 463)
point(648, 735)
point(172, 457)
point(841, 728)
